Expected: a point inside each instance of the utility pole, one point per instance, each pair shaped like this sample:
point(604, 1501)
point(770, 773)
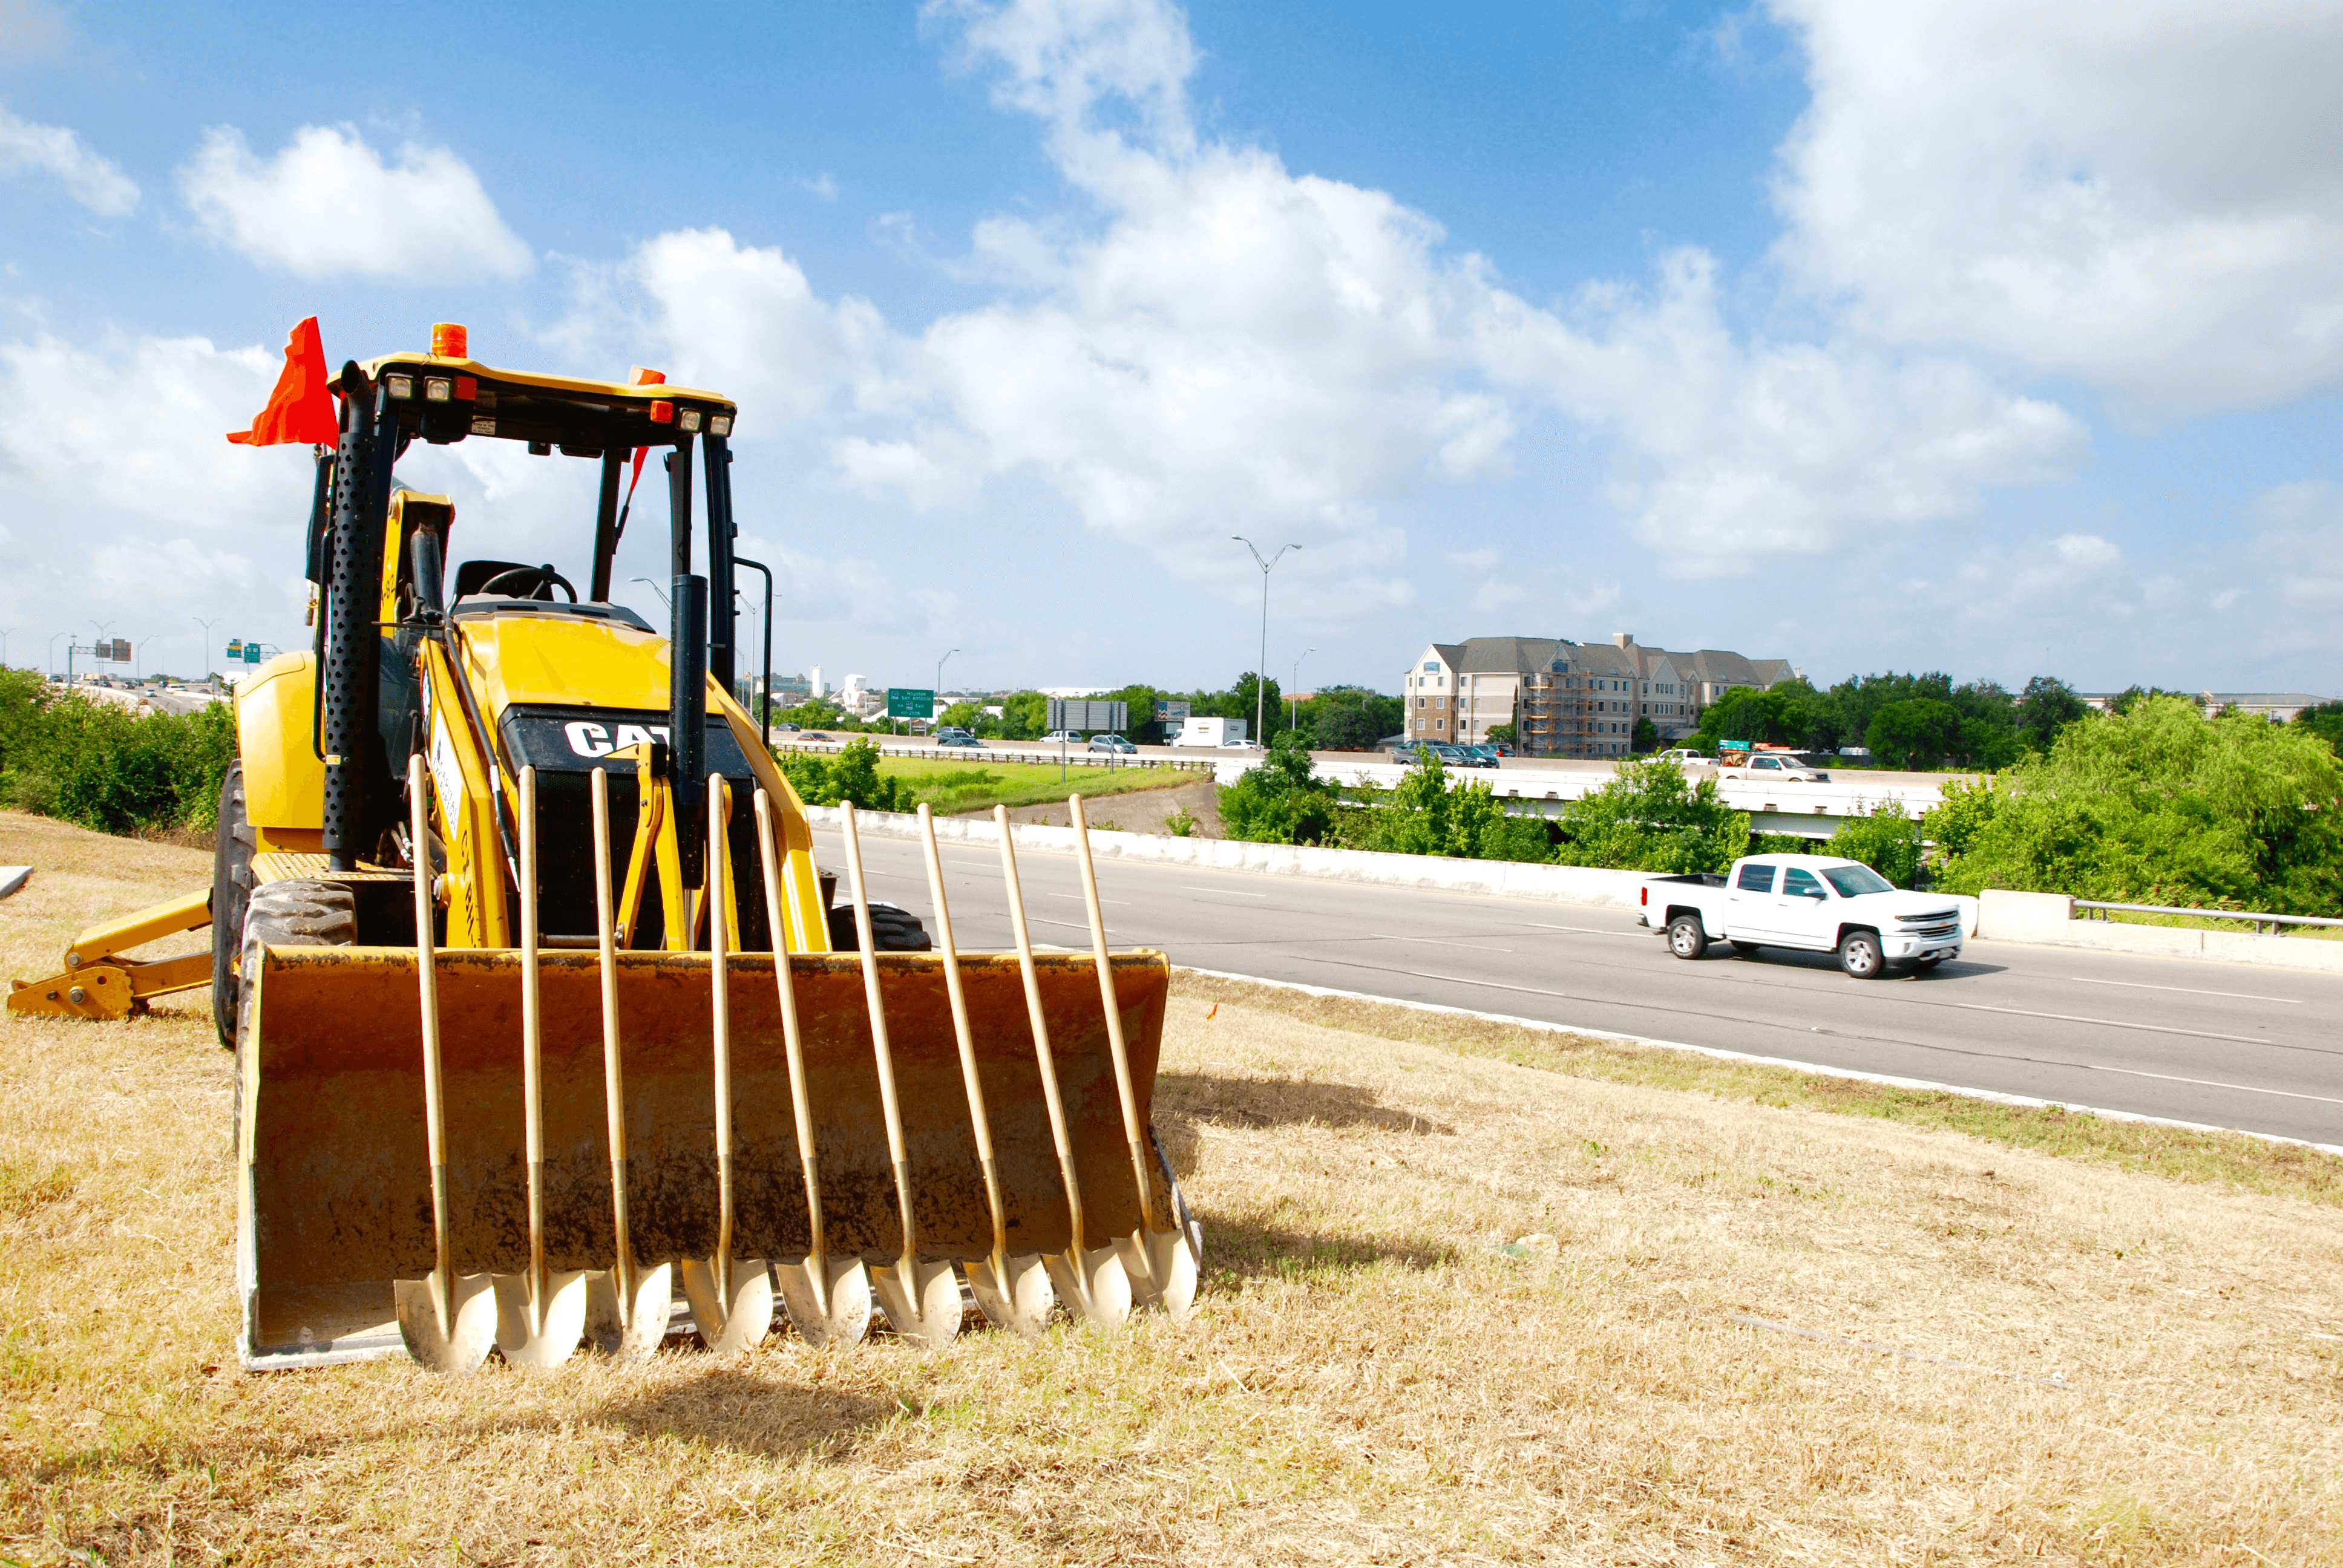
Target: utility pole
point(1294, 720)
point(1261, 670)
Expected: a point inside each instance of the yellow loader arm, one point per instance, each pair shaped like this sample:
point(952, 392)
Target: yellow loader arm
point(98, 982)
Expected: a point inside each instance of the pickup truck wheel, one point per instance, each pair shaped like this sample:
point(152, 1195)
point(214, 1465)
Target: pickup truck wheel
point(1686, 940)
point(1859, 955)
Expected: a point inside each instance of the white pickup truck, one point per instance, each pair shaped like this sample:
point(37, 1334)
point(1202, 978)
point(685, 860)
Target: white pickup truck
point(1815, 903)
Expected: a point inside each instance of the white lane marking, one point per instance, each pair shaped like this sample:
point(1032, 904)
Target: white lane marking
point(2119, 1023)
point(1919, 1045)
point(1076, 897)
point(1232, 892)
point(1434, 942)
point(1589, 930)
point(1045, 921)
point(2192, 991)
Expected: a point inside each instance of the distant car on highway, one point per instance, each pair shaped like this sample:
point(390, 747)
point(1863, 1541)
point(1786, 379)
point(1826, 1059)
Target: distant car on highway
point(1686, 757)
point(1062, 737)
point(1114, 743)
point(953, 734)
point(785, 727)
point(1774, 765)
point(1819, 903)
point(816, 735)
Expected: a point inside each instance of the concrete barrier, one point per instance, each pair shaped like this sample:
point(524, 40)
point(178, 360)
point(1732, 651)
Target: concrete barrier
point(2005, 916)
point(1994, 916)
point(1501, 878)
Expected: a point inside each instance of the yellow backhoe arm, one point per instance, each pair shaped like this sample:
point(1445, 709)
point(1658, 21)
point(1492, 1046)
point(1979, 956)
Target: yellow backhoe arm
point(99, 982)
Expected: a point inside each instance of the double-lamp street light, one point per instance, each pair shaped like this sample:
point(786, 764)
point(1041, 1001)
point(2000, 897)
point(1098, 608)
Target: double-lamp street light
point(1261, 670)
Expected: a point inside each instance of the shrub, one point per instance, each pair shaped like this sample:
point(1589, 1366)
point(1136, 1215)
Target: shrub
point(64, 754)
point(1651, 818)
point(2158, 805)
point(1282, 802)
point(1886, 840)
point(851, 776)
point(1426, 814)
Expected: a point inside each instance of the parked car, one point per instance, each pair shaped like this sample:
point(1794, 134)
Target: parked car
point(1114, 743)
point(1816, 902)
point(1484, 756)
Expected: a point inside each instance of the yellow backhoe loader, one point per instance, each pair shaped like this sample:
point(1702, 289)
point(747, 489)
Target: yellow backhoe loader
point(542, 1009)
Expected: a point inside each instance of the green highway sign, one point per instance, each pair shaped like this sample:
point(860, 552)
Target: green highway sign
point(911, 702)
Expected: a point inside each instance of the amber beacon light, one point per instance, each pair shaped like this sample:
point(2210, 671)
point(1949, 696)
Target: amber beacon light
point(449, 340)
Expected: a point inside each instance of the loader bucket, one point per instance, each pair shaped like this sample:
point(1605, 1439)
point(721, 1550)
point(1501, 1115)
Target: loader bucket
point(336, 1204)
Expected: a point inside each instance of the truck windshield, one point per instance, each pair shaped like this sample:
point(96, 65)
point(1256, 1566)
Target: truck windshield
point(1853, 881)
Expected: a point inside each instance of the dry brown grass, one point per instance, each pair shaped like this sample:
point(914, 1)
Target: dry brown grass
point(1380, 1370)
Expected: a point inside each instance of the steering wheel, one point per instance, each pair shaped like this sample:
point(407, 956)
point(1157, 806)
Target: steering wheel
point(530, 582)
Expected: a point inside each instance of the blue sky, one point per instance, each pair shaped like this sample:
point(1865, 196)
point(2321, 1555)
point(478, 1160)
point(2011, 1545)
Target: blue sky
point(1983, 337)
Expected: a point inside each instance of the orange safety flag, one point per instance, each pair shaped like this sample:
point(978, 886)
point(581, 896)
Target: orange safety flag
point(302, 408)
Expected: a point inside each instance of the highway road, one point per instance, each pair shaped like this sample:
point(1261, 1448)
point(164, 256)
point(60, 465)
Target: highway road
point(2225, 1045)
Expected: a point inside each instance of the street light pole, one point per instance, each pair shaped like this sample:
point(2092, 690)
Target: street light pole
point(654, 587)
point(5, 630)
point(51, 657)
point(1261, 670)
point(939, 672)
point(1294, 722)
point(207, 626)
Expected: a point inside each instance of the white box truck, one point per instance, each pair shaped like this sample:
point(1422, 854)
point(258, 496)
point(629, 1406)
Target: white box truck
point(1213, 732)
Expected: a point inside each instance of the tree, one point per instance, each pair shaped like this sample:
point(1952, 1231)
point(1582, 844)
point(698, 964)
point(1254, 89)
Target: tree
point(1501, 735)
point(1647, 738)
point(1349, 717)
point(1651, 818)
point(2158, 805)
point(1024, 716)
point(1282, 802)
point(2324, 720)
point(2047, 706)
point(1427, 814)
point(1914, 733)
point(1774, 716)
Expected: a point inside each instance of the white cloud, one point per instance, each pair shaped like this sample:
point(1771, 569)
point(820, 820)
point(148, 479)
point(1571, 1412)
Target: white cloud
point(328, 205)
point(743, 321)
point(95, 181)
point(1734, 453)
point(2142, 193)
point(125, 500)
point(2301, 542)
point(139, 424)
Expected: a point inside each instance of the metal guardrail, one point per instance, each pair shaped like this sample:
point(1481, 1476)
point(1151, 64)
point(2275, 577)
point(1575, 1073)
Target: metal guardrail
point(2255, 916)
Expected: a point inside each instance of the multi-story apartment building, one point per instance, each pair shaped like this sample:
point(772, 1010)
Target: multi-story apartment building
point(1567, 698)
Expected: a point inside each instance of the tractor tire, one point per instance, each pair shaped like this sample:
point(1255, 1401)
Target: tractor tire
point(893, 930)
point(1686, 939)
point(297, 913)
point(1860, 955)
point(232, 852)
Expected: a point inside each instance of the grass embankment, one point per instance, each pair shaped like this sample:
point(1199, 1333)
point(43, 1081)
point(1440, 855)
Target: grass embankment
point(1457, 1307)
point(954, 788)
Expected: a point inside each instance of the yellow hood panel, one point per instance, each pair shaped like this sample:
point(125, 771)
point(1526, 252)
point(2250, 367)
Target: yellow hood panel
point(554, 659)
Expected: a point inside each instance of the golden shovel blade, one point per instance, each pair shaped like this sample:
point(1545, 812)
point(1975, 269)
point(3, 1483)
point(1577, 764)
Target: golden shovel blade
point(337, 1199)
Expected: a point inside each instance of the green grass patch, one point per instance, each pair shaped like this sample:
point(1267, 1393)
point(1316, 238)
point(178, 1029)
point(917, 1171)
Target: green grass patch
point(2236, 1158)
point(951, 789)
